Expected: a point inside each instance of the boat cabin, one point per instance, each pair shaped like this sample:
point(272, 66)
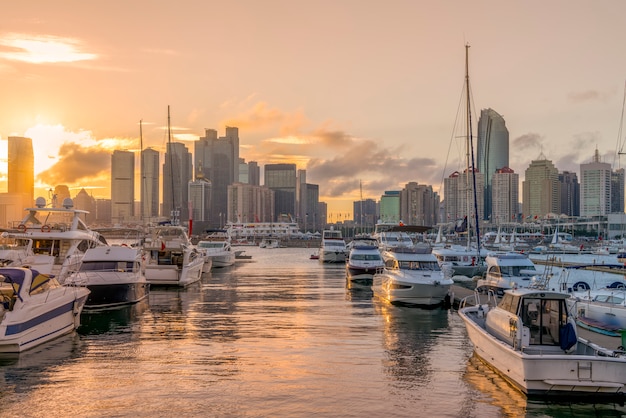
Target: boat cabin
point(533, 318)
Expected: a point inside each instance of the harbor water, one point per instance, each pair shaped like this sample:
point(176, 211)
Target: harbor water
point(277, 335)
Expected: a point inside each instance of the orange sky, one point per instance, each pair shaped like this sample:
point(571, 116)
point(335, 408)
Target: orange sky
point(352, 91)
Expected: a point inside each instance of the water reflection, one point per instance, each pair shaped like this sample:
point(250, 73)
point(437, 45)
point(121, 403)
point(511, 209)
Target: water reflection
point(118, 320)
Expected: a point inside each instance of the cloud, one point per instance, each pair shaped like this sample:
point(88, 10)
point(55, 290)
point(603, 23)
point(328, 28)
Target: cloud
point(261, 117)
point(587, 96)
point(76, 164)
point(42, 49)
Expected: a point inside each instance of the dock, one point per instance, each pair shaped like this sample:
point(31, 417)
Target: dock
point(606, 341)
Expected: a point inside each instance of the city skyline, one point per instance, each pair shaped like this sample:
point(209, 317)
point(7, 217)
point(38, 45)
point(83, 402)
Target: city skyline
point(365, 106)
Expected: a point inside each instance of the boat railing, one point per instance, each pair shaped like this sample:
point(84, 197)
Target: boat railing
point(477, 298)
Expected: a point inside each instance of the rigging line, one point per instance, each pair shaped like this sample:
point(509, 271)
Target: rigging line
point(455, 128)
point(619, 132)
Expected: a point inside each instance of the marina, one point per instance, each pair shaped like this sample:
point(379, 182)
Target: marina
point(262, 338)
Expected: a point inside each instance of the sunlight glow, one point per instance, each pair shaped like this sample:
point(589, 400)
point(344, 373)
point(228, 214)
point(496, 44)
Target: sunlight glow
point(37, 49)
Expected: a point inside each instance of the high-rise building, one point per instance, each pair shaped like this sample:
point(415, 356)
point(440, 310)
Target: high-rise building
point(505, 196)
point(570, 193)
point(177, 173)
point(149, 185)
point(254, 173)
point(541, 189)
point(492, 150)
point(595, 189)
point(21, 168)
point(390, 206)
point(122, 186)
point(365, 214)
point(200, 199)
point(617, 191)
point(309, 205)
point(85, 202)
point(218, 160)
point(244, 174)
point(281, 178)
point(249, 203)
point(419, 205)
point(458, 191)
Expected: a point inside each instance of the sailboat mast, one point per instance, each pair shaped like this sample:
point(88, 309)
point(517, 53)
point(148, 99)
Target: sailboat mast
point(174, 217)
point(361, 190)
point(468, 130)
point(142, 169)
point(471, 147)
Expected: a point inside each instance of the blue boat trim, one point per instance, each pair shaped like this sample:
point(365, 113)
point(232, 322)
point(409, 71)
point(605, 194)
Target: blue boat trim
point(24, 326)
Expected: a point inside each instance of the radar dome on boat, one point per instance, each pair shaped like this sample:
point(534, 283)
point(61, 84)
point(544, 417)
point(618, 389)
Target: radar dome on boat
point(68, 203)
point(40, 202)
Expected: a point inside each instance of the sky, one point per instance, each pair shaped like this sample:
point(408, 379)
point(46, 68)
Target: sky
point(364, 95)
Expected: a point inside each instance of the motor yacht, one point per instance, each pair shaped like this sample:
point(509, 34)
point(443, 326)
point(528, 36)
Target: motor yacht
point(36, 308)
point(55, 238)
point(363, 260)
point(508, 270)
point(411, 276)
point(217, 250)
point(113, 275)
point(332, 247)
point(531, 339)
point(171, 258)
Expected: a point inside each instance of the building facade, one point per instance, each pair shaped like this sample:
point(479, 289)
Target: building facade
point(595, 190)
point(505, 196)
point(492, 151)
point(281, 178)
point(541, 189)
point(149, 184)
point(177, 173)
point(218, 161)
point(21, 168)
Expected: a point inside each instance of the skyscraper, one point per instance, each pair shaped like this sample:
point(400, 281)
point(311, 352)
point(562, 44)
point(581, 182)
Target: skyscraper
point(617, 191)
point(122, 186)
point(177, 173)
point(419, 205)
point(540, 188)
point(21, 171)
point(218, 160)
point(492, 150)
point(505, 196)
point(281, 178)
point(570, 193)
point(459, 196)
point(149, 184)
point(595, 193)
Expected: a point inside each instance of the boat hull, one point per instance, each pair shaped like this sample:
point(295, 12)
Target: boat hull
point(327, 256)
point(113, 295)
point(172, 275)
point(551, 372)
point(405, 290)
point(50, 315)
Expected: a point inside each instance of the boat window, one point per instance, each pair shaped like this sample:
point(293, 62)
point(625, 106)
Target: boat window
point(509, 303)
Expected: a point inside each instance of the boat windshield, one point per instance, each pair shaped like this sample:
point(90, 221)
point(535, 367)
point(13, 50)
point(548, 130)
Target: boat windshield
point(375, 257)
point(418, 265)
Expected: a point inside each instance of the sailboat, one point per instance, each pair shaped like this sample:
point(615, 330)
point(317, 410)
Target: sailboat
point(466, 261)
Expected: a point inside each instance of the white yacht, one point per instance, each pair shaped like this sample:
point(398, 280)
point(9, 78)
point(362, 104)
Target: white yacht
point(411, 276)
point(35, 308)
point(507, 271)
point(113, 275)
point(531, 340)
point(171, 258)
point(364, 259)
point(55, 238)
point(218, 250)
point(333, 247)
